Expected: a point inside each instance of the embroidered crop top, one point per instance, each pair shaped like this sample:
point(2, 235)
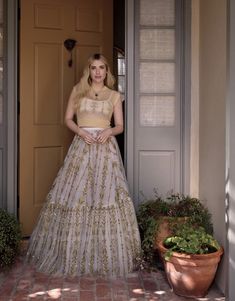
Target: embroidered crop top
point(95, 110)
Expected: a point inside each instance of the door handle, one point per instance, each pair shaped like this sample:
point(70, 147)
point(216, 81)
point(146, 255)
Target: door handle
point(69, 44)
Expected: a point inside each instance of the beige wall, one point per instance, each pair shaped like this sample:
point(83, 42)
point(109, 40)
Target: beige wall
point(208, 104)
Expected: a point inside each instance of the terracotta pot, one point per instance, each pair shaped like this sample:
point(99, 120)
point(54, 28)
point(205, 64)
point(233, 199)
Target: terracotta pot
point(165, 224)
point(190, 275)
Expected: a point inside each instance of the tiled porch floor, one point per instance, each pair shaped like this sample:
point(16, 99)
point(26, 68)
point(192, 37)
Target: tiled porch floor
point(22, 282)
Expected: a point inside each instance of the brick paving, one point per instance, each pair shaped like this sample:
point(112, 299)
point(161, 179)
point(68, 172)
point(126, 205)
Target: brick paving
point(24, 283)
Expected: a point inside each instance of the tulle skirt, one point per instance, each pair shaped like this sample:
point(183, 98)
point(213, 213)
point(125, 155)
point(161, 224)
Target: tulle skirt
point(88, 223)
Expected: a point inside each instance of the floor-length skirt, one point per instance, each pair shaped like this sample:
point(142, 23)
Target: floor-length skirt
point(88, 223)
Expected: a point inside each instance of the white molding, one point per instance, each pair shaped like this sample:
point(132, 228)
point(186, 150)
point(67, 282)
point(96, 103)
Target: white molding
point(187, 101)
point(130, 92)
point(12, 75)
point(195, 55)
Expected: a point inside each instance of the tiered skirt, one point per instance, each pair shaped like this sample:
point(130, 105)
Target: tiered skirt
point(88, 223)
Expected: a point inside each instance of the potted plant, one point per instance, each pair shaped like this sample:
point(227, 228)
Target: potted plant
point(10, 238)
point(158, 217)
point(191, 258)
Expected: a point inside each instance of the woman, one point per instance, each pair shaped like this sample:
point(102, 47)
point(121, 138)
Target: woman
point(88, 224)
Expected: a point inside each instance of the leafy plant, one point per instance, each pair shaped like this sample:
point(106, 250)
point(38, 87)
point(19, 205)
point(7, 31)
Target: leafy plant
point(10, 237)
point(190, 239)
point(150, 214)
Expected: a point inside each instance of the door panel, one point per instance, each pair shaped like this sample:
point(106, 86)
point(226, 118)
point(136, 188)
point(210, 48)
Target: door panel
point(83, 18)
point(46, 81)
point(156, 167)
point(44, 157)
point(47, 98)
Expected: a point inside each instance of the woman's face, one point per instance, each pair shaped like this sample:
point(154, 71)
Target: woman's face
point(97, 72)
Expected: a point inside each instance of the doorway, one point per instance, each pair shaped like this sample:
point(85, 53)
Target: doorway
point(119, 60)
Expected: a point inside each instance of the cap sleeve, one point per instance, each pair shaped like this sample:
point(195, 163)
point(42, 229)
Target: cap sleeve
point(116, 98)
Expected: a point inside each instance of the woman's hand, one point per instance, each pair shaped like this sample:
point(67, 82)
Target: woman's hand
point(86, 136)
point(104, 135)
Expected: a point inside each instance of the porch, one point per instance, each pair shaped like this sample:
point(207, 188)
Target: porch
point(212, 108)
point(23, 283)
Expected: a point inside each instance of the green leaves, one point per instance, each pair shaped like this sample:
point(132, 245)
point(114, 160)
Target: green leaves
point(175, 205)
point(190, 240)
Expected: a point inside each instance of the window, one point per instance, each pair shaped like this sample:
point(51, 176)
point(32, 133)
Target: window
point(119, 73)
point(119, 70)
point(157, 63)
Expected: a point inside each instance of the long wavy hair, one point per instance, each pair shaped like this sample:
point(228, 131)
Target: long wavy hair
point(85, 82)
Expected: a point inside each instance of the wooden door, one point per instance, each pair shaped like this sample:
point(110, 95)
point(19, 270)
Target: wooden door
point(46, 81)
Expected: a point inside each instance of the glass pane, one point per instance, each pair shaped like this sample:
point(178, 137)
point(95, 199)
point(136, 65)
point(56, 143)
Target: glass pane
point(1, 76)
point(157, 110)
point(1, 42)
point(1, 108)
point(121, 84)
point(1, 11)
point(157, 12)
point(157, 44)
point(121, 67)
point(157, 77)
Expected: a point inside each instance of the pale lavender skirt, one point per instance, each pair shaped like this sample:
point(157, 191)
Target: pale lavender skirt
point(88, 223)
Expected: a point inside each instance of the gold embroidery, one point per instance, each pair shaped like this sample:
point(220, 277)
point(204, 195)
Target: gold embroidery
point(88, 224)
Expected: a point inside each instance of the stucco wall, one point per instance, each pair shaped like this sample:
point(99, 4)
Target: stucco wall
point(212, 102)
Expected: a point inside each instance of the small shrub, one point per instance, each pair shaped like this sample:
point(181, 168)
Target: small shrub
point(174, 205)
point(10, 237)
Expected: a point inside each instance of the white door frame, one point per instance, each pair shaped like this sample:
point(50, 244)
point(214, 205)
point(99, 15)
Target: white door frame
point(130, 44)
point(130, 92)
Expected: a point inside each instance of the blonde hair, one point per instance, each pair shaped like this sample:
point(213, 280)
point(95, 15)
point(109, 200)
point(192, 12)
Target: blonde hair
point(85, 82)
